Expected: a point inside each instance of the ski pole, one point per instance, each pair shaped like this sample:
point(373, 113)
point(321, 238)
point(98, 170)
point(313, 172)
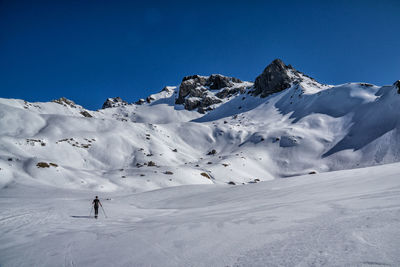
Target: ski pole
point(91, 208)
point(104, 211)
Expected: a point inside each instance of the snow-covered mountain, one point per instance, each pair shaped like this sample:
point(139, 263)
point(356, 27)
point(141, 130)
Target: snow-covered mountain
point(194, 141)
point(209, 129)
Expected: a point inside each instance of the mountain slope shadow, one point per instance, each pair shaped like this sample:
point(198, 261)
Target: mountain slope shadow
point(372, 117)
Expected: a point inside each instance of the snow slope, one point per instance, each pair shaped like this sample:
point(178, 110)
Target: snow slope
point(342, 218)
point(307, 128)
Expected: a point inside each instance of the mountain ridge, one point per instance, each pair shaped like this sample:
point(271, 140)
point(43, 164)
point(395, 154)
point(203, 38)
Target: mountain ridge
point(252, 133)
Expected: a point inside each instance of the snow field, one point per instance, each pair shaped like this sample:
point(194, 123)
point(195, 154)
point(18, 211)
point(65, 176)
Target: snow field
point(342, 218)
point(307, 128)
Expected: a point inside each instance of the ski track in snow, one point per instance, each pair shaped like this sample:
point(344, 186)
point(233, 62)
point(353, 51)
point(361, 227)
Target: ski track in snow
point(344, 218)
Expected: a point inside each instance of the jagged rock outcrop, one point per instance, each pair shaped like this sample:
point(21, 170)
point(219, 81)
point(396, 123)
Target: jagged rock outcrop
point(198, 92)
point(191, 85)
point(65, 102)
point(397, 84)
point(149, 99)
point(229, 91)
point(86, 114)
point(202, 104)
point(275, 78)
point(140, 101)
point(114, 102)
point(217, 81)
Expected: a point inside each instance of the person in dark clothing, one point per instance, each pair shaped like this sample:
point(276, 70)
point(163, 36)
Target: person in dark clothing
point(96, 202)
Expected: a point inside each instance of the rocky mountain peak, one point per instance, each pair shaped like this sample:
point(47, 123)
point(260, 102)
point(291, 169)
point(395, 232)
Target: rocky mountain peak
point(274, 78)
point(114, 102)
point(277, 77)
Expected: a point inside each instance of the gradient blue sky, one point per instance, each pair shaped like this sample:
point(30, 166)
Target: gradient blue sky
point(90, 50)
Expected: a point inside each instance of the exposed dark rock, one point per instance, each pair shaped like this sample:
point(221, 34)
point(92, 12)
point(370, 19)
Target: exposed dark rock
point(205, 175)
point(86, 114)
point(194, 91)
point(43, 165)
point(151, 164)
point(114, 102)
point(232, 183)
point(208, 101)
point(212, 152)
point(140, 101)
point(203, 110)
point(397, 84)
point(166, 89)
point(366, 84)
point(200, 91)
point(149, 99)
point(274, 79)
point(200, 79)
point(218, 81)
point(189, 83)
point(227, 92)
point(65, 102)
point(192, 103)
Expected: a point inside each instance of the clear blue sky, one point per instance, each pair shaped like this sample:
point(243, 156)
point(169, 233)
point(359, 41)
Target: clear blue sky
point(90, 50)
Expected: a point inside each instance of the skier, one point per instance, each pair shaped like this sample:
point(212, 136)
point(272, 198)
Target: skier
point(95, 204)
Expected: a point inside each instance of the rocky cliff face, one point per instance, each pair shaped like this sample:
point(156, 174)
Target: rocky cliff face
point(202, 92)
point(274, 78)
point(114, 102)
point(397, 84)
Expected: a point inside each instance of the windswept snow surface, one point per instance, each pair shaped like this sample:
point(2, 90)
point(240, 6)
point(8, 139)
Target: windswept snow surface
point(342, 218)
